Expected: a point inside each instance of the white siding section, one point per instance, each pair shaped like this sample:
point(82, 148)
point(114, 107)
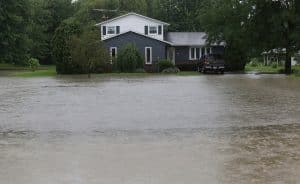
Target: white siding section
point(133, 23)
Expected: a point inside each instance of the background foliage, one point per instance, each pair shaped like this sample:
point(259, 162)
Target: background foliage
point(33, 28)
point(129, 59)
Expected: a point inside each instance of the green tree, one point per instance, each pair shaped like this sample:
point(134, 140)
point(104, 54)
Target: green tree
point(129, 59)
point(138, 6)
point(56, 12)
point(14, 42)
point(87, 51)
point(224, 21)
point(62, 48)
point(181, 14)
point(37, 31)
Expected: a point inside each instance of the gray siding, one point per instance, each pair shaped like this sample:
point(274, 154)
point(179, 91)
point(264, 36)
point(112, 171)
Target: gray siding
point(182, 55)
point(158, 48)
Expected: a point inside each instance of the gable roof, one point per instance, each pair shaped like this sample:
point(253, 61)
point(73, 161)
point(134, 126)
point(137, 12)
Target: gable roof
point(187, 38)
point(135, 14)
point(139, 35)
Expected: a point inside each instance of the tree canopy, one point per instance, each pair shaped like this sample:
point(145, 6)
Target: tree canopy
point(248, 27)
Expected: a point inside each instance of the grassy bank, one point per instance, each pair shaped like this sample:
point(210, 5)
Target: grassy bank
point(271, 70)
point(50, 71)
point(7, 67)
point(21, 71)
point(45, 72)
point(263, 69)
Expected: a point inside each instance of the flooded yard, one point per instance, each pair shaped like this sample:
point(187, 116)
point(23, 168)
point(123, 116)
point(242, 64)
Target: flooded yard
point(150, 130)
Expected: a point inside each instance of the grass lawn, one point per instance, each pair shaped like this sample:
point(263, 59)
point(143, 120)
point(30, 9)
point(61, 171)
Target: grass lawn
point(46, 72)
point(21, 71)
point(263, 69)
point(5, 66)
point(271, 70)
point(49, 71)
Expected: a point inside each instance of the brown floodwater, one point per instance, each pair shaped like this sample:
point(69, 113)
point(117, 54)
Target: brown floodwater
point(150, 130)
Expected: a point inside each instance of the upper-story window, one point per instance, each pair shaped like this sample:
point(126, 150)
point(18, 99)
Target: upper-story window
point(111, 30)
point(152, 29)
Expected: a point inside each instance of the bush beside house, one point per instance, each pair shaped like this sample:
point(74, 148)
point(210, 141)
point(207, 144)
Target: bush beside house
point(164, 64)
point(129, 59)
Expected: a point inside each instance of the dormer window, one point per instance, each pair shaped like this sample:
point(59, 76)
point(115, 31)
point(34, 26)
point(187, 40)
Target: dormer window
point(111, 30)
point(152, 29)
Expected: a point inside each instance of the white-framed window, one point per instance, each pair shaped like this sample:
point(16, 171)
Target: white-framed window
point(113, 53)
point(199, 52)
point(152, 29)
point(148, 55)
point(193, 53)
point(204, 51)
point(111, 30)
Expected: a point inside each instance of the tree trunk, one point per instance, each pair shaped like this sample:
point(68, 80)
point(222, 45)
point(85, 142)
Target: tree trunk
point(288, 62)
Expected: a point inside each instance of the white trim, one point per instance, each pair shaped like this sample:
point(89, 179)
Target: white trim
point(110, 53)
point(116, 51)
point(146, 56)
point(149, 32)
point(154, 20)
point(115, 30)
point(193, 56)
point(138, 34)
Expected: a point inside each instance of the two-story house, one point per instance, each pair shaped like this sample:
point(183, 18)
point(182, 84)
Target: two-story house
point(184, 49)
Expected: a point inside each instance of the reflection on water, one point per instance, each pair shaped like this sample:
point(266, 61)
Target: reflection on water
point(206, 129)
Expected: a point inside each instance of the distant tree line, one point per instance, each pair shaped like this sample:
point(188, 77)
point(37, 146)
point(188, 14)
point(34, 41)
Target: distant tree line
point(48, 29)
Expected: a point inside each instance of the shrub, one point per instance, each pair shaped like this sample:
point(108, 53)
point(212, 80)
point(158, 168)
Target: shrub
point(274, 65)
point(33, 64)
point(254, 62)
point(164, 64)
point(171, 70)
point(129, 59)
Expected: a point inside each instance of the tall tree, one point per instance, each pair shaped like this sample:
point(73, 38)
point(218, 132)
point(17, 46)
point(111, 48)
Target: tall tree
point(181, 14)
point(13, 35)
point(138, 6)
point(225, 21)
point(57, 11)
point(37, 28)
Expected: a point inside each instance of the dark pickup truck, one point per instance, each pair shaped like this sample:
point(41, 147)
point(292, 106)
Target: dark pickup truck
point(211, 63)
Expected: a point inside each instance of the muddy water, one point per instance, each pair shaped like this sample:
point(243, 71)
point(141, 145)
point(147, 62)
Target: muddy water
point(152, 130)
